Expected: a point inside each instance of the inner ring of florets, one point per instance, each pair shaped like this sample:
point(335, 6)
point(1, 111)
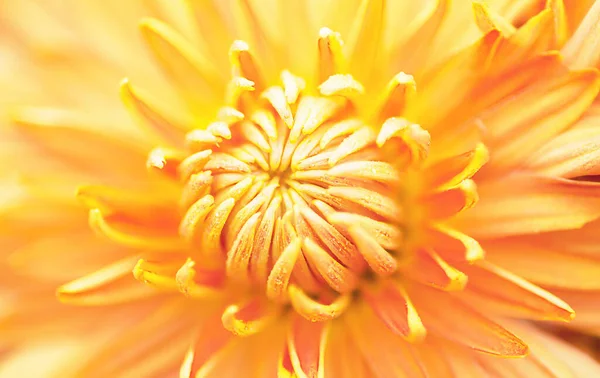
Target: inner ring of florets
point(290, 190)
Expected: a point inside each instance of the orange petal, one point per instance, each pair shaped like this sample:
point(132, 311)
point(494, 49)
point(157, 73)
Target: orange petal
point(521, 124)
point(458, 357)
point(446, 88)
point(284, 365)
point(586, 305)
point(505, 83)
point(561, 25)
point(573, 153)
point(419, 43)
point(463, 324)
point(209, 339)
point(583, 48)
point(497, 288)
point(400, 91)
point(386, 354)
point(139, 347)
point(435, 359)
point(579, 242)
point(307, 342)
point(545, 264)
point(576, 11)
point(243, 64)
point(453, 245)
point(393, 307)
point(524, 204)
point(447, 203)
point(315, 311)
point(342, 356)
point(535, 37)
point(549, 355)
point(61, 256)
point(450, 172)
point(257, 354)
point(134, 235)
point(73, 138)
point(249, 317)
point(429, 268)
point(331, 58)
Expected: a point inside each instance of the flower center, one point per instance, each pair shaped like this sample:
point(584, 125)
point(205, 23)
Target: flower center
point(288, 188)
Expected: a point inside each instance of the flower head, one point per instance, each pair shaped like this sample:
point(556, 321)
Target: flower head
point(328, 195)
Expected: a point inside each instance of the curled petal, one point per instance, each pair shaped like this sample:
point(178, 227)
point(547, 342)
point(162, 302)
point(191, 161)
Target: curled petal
point(429, 268)
point(447, 203)
point(195, 284)
point(411, 138)
point(341, 85)
point(331, 57)
point(452, 245)
point(452, 171)
point(250, 317)
point(400, 92)
point(131, 235)
point(315, 311)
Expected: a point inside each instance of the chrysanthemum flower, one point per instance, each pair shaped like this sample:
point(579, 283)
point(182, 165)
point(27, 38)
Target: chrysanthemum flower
point(325, 189)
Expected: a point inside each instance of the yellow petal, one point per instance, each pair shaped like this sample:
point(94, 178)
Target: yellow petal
point(429, 268)
point(193, 73)
point(108, 285)
point(150, 115)
point(488, 20)
point(366, 37)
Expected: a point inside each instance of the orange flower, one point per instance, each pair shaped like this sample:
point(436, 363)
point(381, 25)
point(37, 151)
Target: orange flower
point(354, 188)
